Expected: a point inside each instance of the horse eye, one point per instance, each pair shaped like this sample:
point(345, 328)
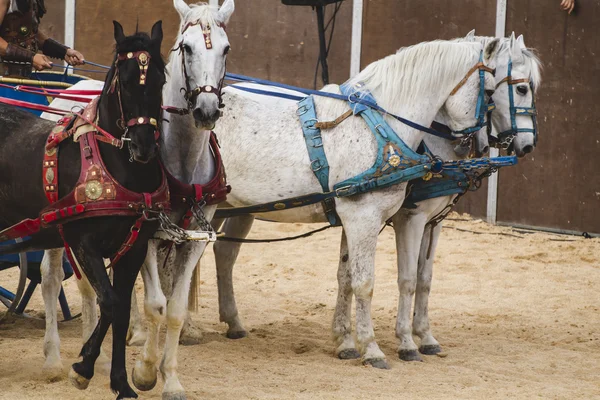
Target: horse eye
point(522, 90)
point(226, 51)
point(187, 49)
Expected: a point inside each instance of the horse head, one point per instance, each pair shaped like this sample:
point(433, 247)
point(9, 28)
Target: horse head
point(517, 79)
point(136, 79)
point(475, 88)
point(203, 47)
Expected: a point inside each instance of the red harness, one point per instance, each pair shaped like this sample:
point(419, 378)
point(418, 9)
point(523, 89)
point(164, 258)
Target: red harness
point(213, 192)
point(96, 194)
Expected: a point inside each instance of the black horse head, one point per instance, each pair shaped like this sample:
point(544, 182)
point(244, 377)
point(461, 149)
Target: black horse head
point(134, 85)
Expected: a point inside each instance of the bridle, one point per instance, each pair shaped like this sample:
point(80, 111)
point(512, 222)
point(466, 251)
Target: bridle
point(506, 137)
point(191, 94)
point(482, 109)
point(143, 60)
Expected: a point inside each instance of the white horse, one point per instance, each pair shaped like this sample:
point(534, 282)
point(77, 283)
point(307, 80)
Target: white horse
point(412, 231)
point(203, 68)
point(415, 241)
point(415, 83)
point(186, 154)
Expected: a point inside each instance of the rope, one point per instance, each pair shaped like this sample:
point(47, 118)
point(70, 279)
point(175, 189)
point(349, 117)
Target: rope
point(304, 235)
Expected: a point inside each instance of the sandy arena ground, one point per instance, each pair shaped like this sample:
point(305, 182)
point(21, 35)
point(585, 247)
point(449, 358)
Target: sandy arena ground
point(517, 317)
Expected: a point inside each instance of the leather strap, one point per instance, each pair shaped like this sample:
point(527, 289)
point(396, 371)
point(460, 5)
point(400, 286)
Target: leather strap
point(18, 54)
point(479, 66)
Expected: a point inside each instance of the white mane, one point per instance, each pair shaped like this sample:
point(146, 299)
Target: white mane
point(405, 76)
point(530, 57)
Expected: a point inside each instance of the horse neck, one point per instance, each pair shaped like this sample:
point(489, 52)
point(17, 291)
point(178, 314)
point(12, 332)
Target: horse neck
point(134, 176)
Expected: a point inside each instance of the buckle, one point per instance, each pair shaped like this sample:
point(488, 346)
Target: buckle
point(344, 191)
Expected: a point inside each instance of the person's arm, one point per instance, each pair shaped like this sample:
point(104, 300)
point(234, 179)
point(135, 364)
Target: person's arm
point(54, 49)
point(568, 5)
point(11, 52)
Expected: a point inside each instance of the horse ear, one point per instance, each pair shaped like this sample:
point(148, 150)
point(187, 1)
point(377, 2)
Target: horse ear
point(119, 35)
point(225, 11)
point(491, 50)
point(515, 49)
point(521, 42)
point(470, 36)
point(157, 33)
point(181, 7)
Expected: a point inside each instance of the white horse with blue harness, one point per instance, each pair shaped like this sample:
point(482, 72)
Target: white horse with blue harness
point(416, 83)
point(461, 178)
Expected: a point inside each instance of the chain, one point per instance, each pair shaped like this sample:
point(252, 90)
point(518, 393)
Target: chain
point(198, 211)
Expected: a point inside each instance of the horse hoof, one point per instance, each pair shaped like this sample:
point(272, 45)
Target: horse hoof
point(52, 373)
point(409, 355)
point(349, 354)
point(377, 363)
point(141, 383)
point(77, 380)
point(430, 349)
point(174, 396)
point(236, 334)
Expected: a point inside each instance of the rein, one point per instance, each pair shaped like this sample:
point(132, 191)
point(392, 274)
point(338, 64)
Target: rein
point(437, 129)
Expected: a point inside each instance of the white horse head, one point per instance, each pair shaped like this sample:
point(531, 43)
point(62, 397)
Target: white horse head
point(526, 66)
point(201, 53)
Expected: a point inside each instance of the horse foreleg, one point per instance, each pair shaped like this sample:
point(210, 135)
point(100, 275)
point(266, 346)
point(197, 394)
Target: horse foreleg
point(89, 317)
point(155, 308)
point(409, 232)
point(125, 273)
point(342, 329)
point(92, 265)
point(361, 235)
point(226, 254)
point(421, 328)
point(52, 277)
point(136, 334)
point(176, 314)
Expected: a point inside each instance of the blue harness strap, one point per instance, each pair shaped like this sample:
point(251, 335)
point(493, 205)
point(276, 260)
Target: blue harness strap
point(316, 153)
point(395, 162)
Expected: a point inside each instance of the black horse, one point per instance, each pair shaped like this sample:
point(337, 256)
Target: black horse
point(23, 139)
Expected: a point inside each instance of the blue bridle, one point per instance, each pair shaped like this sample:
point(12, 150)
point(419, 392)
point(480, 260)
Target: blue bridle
point(506, 137)
point(482, 109)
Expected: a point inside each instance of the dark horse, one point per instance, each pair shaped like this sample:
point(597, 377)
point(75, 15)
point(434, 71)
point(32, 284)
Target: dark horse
point(23, 138)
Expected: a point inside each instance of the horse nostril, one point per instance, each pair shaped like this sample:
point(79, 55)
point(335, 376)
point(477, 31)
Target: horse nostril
point(528, 149)
point(486, 150)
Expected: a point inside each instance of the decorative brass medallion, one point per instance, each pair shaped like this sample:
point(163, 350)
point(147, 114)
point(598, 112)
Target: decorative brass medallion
point(51, 152)
point(394, 160)
point(279, 206)
point(140, 120)
point(93, 190)
point(130, 55)
point(143, 58)
point(24, 30)
point(427, 176)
